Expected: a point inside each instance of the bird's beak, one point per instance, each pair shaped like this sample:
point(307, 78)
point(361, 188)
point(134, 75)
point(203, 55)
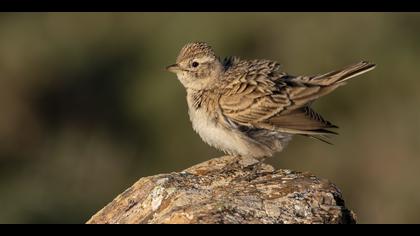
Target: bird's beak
point(173, 68)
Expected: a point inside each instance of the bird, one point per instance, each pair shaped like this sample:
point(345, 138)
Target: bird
point(252, 108)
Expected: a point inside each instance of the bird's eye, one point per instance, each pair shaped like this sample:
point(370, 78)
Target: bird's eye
point(195, 64)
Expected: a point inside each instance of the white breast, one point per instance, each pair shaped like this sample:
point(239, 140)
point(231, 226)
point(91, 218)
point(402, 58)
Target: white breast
point(216, 135)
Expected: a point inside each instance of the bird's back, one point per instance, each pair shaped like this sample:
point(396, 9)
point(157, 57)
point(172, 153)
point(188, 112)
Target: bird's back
point(260, 95)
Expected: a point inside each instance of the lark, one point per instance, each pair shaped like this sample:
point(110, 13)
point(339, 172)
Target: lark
point(252, 108)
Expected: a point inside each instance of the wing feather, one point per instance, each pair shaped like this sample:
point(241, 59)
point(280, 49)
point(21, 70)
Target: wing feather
point(259, 95)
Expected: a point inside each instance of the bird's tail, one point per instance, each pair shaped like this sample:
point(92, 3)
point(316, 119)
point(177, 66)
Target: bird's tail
point(305, 121)
point(342, 75)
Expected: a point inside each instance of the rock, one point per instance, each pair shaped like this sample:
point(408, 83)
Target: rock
point(230, 190)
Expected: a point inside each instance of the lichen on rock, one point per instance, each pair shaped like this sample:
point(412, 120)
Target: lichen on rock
point(230, 190)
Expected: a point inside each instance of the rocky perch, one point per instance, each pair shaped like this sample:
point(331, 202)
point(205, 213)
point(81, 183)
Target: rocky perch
point(228, 190)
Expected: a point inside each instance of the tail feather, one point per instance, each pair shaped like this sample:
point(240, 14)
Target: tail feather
point(299, 118)
point(340, 76)
point(319, 138)
point(309, 88)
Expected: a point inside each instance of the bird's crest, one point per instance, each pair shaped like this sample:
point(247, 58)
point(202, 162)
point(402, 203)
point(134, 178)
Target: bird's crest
point(195, 49)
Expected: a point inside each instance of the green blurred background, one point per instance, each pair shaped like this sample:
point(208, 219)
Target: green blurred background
point(86, 107)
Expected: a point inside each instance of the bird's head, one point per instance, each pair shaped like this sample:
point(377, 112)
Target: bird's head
point(197, 66)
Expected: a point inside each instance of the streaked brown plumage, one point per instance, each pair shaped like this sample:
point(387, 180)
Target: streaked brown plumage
point(251, 107)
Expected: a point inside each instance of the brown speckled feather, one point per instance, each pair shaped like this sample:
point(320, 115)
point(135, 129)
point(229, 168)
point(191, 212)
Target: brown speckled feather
point(258, 94)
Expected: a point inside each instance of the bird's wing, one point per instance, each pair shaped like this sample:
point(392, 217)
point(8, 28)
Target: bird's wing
point(259, 95)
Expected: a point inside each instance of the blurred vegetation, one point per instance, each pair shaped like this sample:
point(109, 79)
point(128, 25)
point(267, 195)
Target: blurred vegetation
point(87, 108)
